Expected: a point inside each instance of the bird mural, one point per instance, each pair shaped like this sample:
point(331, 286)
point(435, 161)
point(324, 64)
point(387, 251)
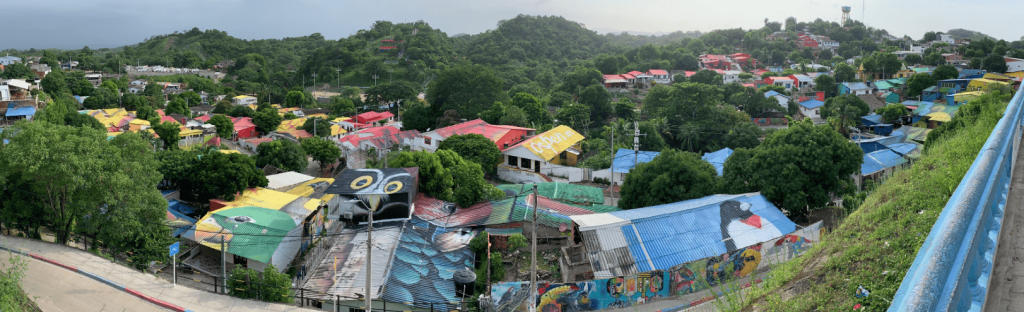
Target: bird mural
point(741, 228)
point(425, 261)
point(385, 192)
point(209, 232)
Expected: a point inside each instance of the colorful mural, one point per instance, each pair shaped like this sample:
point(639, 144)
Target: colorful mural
point(618, 292)
point(425, 260)
point(387, 192)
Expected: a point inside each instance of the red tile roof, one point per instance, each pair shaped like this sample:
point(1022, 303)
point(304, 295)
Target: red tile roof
point(657, 72)
point(493, 132)
point(371, 117)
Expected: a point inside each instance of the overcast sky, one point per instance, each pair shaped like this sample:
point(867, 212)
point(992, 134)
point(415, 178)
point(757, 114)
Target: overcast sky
point(111, 23)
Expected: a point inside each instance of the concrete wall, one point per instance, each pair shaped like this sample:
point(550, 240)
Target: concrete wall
point(519, 176)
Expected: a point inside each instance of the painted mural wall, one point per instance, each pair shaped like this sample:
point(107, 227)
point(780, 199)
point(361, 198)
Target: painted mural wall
point(622, 292)
point(389, 193)
point(618, 292)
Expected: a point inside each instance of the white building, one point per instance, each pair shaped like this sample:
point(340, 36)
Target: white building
point(811, 108)
point(659, 76)
point(730, 76)
point(244, 100)
point(1014, 64)
point(947, 38)
point(547, 153)
point(782, 98)
point(5, 91)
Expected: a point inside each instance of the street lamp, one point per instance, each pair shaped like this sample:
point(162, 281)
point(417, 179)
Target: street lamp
point(374, 79)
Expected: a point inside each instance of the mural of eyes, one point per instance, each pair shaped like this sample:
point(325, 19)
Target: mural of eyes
point(361, 182)
point(392, 187)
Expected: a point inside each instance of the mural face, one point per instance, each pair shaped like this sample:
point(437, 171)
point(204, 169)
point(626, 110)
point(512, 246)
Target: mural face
point(741, 228)
point(386, 192)
point(424, 263)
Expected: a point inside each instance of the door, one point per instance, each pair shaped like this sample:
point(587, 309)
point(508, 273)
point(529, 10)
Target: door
point(536, 166)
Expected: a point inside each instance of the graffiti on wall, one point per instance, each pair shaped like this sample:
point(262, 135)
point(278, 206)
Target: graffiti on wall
point(425, 261)
point(386, 192)
point(618, 292)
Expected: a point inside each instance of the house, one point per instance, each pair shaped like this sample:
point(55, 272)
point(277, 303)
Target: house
point(41, 70)
point(723, 62)
point(883, 86)
point(615, 81)
point(379, 138)
point(659, 76)
point(811, 108)
point(502, 136)
point(624, 161)
point(802, 81)
point(891, 97)
point(136, 89)
point(947, 38)
point(782, 98)
point(952, 57)
point(371, 118)
point(971, 73)
point(1014, 64)
point(903, 54)
point(878, 165)
point(201, 109)
point(642, 78)
point(244, 100)
point(5, 91)
point(629, 242)
point(19, 111)
point(139, 82)
point(525, 160)
point(784, 82)
point(981, 84)
point(730, 76)
point(8, 60)
point(718, 158)
point(244, 128)
point(855, 88)
point(744, 59)
point(574, 194)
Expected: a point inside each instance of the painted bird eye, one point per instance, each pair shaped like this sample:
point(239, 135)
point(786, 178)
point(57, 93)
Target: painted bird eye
point(361, 182)
point(393, 187)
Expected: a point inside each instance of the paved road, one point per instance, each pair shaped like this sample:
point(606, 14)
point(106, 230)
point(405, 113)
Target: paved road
point(59, 289)
point(1006, 292)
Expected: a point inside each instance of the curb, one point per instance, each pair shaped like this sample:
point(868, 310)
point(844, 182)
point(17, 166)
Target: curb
point(135, 293)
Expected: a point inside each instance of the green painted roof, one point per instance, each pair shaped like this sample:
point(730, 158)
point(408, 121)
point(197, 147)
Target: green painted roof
point(883, 85)
point(564, 192)
point(259, 238)
point(599, 208)
point(921, 69)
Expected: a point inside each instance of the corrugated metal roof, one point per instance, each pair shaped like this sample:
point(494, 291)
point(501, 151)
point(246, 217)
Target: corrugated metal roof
point(560, 191)
point(903, 148)
point(875, 118)
point(424, 262)
point(812, 104)
point(21, 111)
point(343, 269)
point(879, 160)
point(276, 181)
point(250, 232)
point(718, 158)
point(659, 237)
point(625, 159)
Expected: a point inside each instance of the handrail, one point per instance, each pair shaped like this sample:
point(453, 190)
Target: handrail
point(952, 269)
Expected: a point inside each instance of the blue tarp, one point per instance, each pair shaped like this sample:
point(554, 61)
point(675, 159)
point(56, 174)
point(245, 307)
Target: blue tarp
point(870, 147)
point(878, 161)
point(25, 111)
point(872, 119)
point(625, 159)
point(718, 158)
point(812, 104)
point(773, 93)
point(701, 228)
point(903, 148)
point(181, 222)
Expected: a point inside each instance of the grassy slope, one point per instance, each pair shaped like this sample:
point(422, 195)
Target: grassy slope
point(876, 245)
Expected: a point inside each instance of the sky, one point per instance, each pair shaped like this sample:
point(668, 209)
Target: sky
point(72, 24)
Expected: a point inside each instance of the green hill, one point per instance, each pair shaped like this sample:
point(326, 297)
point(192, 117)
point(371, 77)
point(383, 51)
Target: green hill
point(534, 38)
point(961, 33)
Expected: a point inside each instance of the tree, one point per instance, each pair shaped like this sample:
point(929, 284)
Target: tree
point(994, 63)
point(283, 154)
point(17, 71)
point(891, 113)
point(225, 128)
point(386, 93)
point(176, 106)
point(515, 116)
point(825, 55)
point(83, 120)
point(267, 121)
point(798, 168)
point(670, 177)
point(54, 83)
point(707, 77)
point(844, 73)
point(913, 59)
point(294, 99)
point(447, 176)
point(598, 99)
point(467, 89)
point(929, 36)
point(743, 135)
point(218, 174)
point(317, 126)
point(754, 103)
point(322, 151)
point(168, 132)
point(825, 83)
point(146, 112)
point(844, 111)
point(919, 82)
point(132, 102)
point(241, 111)
point(943, 72)
point(475, 148)
point(222, 107)
point(534, 110)
point(342, 106)
point(576, 116)
point(746, 76)
point(417, 116)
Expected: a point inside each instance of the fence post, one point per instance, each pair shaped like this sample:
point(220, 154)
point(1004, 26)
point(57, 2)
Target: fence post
point(215, 284)
point(302, 297)
point(337, 303)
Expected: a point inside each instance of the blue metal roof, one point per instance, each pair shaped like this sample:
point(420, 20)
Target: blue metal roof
point(700, 228)
point(902, 148)
point(718, 158)
point(773, 93)
point(869, 147)
point(872, 119)
point(879, 160)
point(626, 159)
point(425, 260)
point(812, 104)
point(697, 233)
point(21, 111)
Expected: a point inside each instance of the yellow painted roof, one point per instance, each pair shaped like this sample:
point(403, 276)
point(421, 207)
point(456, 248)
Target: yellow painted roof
point(338, 130)
point(321, 115)
point(290, 125)
point(270, 199)
point(939, 116)
point(340, 119)
point(185, 133)
point(305, 190)
point(139, 122)
point(242, 96)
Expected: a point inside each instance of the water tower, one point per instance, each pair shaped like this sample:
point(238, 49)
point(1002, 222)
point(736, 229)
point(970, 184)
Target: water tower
point(846, 15)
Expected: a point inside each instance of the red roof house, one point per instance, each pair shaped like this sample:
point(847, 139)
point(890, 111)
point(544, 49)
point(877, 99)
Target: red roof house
point(244, 128)
point(503, 136)
point(372, 117)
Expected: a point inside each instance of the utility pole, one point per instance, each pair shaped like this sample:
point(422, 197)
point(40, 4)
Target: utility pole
point(533, 255)
point(339, 79)
point(611, 190)
point(314, 85)
point(369, 258)
point(374, 79)
point(223, 265)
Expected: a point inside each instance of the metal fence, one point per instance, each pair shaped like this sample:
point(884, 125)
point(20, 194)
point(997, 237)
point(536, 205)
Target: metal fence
point(952, 270)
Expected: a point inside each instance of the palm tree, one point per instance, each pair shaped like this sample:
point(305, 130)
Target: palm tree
point(690, 136)
point(843, 116)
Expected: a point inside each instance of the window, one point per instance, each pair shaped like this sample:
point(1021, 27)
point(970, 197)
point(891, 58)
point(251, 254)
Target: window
point(816, 112)
point(525, 163)
point(513, 161)
point(426, 140)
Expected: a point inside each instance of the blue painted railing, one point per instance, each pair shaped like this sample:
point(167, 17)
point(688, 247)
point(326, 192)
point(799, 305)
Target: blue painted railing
point(952, 269)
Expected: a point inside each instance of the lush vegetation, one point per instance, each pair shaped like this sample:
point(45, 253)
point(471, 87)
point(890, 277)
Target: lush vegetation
point(876, 244)
point(270, 286)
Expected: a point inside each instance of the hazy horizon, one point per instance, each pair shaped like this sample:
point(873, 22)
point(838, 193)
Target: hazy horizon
point(115, 23)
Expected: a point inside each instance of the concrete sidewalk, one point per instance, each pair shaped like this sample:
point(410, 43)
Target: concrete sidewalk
point(48, 283)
